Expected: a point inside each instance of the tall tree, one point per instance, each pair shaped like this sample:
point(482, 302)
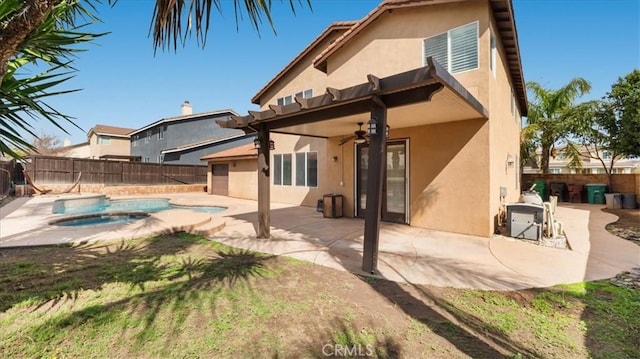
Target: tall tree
point(610, 125)
point(547, 114)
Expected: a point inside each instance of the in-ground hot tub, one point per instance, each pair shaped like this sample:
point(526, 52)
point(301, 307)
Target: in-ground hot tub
point(99, 219)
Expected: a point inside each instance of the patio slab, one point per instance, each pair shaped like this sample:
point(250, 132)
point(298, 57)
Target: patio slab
point(406, 254)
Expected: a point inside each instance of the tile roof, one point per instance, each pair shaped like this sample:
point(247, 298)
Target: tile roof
point(110, 130)
point(244, 151)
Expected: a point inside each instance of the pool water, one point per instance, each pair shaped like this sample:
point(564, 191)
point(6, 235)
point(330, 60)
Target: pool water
point(137, 205)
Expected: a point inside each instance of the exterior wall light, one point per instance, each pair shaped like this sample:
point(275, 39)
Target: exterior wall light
point(256, 143)
point(272, 145)
point(372, 127)
point(510, 161)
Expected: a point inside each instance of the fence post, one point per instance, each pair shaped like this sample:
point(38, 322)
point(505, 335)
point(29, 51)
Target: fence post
point(73, 169)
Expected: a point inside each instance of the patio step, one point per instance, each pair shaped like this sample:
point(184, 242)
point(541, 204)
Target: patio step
point(210, 228)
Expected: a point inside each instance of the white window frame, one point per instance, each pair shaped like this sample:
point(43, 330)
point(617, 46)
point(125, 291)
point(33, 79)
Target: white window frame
point(135, 139)
point(306, 169)
point(102, 138)
point(449, 62)
point(147, 138)
point(161, 131)
point(281, 155)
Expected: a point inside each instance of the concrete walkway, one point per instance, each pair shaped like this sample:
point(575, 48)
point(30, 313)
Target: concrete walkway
point(407, 254)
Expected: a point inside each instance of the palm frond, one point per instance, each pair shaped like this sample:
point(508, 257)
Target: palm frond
point(52, 45)
point(170, 16)
point(571, 151)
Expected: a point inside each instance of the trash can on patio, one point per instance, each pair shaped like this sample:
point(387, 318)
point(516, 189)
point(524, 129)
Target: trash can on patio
point(614, 200)
point(558, 189)
point(595, 192)
point(540, 187)
point(629, 200)
point(332, 205)
point(575, 192)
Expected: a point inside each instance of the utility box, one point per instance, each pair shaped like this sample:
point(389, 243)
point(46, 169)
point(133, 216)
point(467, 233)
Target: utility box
point(525, 220)
point(332, 205)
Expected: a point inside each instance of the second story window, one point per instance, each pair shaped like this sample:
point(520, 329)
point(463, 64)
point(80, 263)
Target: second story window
point(285, 100)
point(104, 140)
point(305, 94)
point(134, 140)
point(161, 132)
point(606, 155)
point(456, 50)
point(147, 138)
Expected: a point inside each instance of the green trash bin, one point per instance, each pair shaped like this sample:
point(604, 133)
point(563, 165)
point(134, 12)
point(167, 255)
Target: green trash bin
point(595, 192)
point(540, 187)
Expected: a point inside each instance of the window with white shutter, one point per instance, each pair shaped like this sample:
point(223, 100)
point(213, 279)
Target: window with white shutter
point(456, 50)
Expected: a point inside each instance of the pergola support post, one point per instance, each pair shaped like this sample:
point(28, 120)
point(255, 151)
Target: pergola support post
point(264, 183)
point(375, 176)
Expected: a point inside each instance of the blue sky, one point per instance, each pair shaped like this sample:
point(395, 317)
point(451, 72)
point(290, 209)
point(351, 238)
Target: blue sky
point(125, 84)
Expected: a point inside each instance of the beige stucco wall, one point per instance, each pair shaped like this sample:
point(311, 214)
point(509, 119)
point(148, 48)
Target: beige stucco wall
point(83, 151)
point(394, 43)
point(243, 175)
point(243, 179)
point(301, 77)
point(117, 146)
point(504, 126)
point(456, 169)
point(442, 194)
point(293, 194)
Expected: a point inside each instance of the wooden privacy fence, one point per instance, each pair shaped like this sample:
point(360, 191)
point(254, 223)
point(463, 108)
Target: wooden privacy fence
point(46, 169)
point(6, 173)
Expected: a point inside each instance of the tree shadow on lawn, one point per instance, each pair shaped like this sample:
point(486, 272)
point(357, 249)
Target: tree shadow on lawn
point(47, 275)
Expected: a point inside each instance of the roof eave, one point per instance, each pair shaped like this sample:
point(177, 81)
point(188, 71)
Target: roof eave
point(330, 29)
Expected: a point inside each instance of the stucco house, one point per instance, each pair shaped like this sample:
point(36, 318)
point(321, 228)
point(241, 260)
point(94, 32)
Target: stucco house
point(561, 164)
point(412, 113)
point(186, 138)
point(109, 142)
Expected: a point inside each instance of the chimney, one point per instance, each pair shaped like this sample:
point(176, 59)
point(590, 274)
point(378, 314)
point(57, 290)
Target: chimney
point(186, 109)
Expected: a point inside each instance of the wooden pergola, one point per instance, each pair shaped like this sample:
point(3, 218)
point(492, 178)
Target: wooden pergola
point(374, 97)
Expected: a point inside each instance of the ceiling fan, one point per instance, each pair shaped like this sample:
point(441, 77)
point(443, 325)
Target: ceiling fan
point(360, 136)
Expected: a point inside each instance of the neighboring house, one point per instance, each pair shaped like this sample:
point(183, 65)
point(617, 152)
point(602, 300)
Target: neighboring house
point(109, 142)
point(560, 164)
point(184, 139)
point(445, 76)
point(80, 150)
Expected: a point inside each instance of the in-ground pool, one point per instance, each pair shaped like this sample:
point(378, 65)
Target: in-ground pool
point(98, 219)
point(101, 204)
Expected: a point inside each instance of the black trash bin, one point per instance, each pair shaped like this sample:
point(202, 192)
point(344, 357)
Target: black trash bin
point(559, 189)
point(332, 205)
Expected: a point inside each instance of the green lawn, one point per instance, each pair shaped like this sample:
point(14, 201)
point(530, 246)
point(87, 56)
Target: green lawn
point(183, 296)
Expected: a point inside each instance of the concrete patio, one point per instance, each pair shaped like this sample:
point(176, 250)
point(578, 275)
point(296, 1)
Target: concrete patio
point(407, 254)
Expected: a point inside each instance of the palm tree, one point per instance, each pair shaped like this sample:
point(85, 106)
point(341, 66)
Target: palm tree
point(547, 115)
point(45, 33)
point(36, 35)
